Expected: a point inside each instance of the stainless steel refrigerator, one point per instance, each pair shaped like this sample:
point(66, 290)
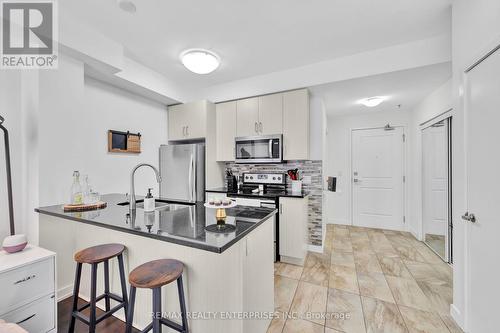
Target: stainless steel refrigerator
point(182, 169)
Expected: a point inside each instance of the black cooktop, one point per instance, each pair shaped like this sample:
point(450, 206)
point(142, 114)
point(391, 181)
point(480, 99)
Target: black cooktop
point(265, 194)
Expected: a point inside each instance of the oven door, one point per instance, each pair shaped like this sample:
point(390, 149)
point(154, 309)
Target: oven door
point(259, 149)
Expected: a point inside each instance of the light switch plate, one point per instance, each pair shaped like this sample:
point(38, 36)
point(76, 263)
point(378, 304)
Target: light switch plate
point(306, 180)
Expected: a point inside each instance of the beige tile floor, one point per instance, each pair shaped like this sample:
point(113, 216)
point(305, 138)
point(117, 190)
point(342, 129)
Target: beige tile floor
point(437, 242)
point(367, 280)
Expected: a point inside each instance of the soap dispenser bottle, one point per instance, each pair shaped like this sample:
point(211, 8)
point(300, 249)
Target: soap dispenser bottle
point(149, 201)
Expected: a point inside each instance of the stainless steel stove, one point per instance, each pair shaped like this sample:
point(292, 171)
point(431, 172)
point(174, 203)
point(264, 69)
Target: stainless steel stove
point(262, 190)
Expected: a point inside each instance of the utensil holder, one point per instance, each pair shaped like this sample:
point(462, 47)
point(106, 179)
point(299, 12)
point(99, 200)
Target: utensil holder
point(296, 186)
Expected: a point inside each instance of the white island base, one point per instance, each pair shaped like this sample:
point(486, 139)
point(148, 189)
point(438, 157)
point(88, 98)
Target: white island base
point(221, 289)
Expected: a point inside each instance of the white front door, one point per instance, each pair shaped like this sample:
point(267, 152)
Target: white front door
point(482, 119)
point(377, 178)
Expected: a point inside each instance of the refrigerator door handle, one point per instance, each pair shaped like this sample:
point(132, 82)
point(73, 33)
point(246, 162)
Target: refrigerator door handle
point(190, 176)
point(195, 174)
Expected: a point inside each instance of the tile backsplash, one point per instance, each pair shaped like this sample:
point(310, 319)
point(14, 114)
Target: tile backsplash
point(312, 169)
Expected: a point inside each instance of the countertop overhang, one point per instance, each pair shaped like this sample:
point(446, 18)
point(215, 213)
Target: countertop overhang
point(272, 195)
point(184, 226)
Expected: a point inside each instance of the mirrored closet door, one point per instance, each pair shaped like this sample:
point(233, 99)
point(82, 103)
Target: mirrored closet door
point(436, 187)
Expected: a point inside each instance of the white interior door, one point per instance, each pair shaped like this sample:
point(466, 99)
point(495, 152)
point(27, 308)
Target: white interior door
point(435, 187)
point(377, 179)
point(482, 103)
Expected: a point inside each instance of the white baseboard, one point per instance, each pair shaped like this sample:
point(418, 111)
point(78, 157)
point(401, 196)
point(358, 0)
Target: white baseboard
point(415, 234)
point(315, 248)
point(338, 221)
point(457, 316)
point(291, 260)
point(64, 292)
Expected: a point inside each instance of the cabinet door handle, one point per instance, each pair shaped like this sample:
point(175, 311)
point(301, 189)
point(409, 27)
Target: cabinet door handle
point(187, 130)
point(260, 127)
point(256, 127)
point(26, 319)
point(183, 131)
point(281, 208)
point(31, 277)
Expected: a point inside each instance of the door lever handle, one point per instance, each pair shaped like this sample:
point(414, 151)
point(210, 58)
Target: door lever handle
point(469, 217)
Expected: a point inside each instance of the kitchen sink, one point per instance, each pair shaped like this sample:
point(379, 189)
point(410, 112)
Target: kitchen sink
point(159, 205)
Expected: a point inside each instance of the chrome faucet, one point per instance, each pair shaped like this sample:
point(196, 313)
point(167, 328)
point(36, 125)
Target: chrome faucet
point(132, 204)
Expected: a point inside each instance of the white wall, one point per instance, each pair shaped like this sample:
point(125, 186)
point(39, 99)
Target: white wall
point(10, 109)
point(475, 27)
point(337, 208)
point(317, 130)
point(434, 50)
point(19, 107)
point(76, 114)
point(436, 103)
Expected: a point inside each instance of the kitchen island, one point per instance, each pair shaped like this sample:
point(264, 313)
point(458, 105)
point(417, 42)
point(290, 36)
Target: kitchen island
point(228, 276)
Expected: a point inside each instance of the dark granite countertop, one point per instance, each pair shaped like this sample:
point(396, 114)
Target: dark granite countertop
point(184, 226)
point(287, 193)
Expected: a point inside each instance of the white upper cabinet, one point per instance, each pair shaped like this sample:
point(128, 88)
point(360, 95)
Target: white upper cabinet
point(225, 114)
point(271, 114)
point(296, 125)
point(247, 117)
point(260, 115)
point(283, 113)
point(176, 122)
point(187, 121)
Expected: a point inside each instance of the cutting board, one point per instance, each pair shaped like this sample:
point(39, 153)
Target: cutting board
point(83, 207)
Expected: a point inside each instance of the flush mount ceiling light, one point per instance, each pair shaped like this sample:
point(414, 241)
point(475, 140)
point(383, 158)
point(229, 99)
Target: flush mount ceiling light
point(372, 101)
point(127, 6)
point(200, 61)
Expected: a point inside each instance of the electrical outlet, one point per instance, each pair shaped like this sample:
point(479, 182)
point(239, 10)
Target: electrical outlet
point(306, 180)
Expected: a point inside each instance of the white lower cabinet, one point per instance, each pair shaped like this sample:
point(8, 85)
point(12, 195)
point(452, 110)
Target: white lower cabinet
point(27, 281)
point(293, 229)
point(36, 317)
point(258, 276)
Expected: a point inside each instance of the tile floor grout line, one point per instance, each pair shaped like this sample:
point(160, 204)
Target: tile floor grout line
point(290, 306)
point(357, 282)
point(295, 294)
point(395, 302)
point(328, 291)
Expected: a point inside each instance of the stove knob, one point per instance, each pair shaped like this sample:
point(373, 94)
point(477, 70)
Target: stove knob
point(251, 177)
point(274, 178)
point(279, 178)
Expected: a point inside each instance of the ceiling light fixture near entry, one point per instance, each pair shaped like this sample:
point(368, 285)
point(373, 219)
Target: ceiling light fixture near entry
point(372, 101)
point(200, 61)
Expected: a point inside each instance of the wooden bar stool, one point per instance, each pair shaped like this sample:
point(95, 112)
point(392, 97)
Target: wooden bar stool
point(153, 275)
point(94, 256)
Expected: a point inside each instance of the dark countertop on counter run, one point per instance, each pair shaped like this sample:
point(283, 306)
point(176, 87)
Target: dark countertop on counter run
point(184, 226)
point(287, 193)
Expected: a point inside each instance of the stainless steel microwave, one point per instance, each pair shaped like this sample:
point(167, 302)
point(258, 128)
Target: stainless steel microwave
point(259, 149)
